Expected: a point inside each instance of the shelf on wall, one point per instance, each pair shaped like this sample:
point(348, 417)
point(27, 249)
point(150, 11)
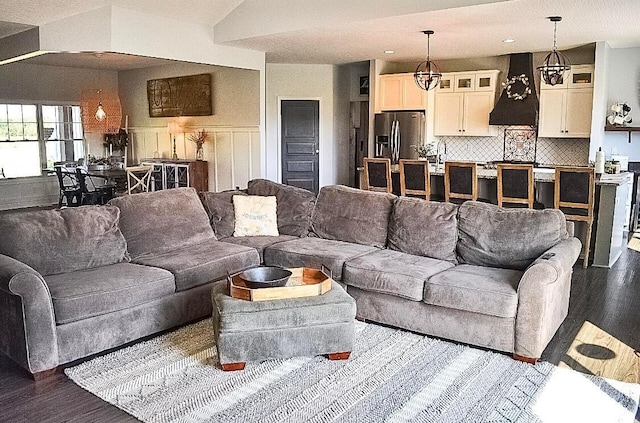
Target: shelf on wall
point(628, 129)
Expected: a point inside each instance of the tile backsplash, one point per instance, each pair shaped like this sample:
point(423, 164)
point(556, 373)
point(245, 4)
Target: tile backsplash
point(549, 151)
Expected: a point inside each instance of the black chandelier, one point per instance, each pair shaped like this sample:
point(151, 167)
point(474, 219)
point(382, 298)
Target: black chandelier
point(555, 64)
point(427, 74)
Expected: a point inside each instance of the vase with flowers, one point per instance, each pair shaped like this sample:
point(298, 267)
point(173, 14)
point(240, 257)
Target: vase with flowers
point(425, 151)
point(199, 138)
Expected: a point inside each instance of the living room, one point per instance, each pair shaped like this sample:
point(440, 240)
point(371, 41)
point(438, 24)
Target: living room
point(122, 49)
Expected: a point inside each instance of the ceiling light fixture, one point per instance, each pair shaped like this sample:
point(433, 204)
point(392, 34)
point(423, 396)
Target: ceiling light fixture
point(100, 113)
point(389, 51)
point(509, 40)
point(427, 74)
point(555, 64)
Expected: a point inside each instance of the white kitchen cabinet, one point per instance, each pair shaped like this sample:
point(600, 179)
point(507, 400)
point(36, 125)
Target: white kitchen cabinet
point(565, 109)
point(463, 103)
point(400, 92)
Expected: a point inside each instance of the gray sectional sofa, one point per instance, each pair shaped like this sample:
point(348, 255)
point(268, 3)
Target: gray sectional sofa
point(79, 281)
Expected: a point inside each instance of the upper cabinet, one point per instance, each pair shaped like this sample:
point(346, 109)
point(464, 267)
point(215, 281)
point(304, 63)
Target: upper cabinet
point(565, 109)
point(464, 101)
point(400, 92)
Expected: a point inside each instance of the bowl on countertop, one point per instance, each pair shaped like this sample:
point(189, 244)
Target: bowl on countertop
point(265, 277)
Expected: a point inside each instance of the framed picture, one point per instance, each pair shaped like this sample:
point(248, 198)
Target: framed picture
point(180, 96)
point(364, 85)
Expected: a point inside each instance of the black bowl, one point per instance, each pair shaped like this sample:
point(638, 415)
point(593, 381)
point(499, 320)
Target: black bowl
point(265, 277)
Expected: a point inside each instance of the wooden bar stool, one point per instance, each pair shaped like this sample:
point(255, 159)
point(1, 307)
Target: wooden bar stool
point(460, 181)
point(377, 175)
point(415, 178)
point(574, 196)
point(515, 184)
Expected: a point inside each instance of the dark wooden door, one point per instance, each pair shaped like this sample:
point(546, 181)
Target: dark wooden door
point(300, 143)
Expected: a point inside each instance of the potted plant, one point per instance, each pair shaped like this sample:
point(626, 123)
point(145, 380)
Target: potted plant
point(199, 138)
point(425, 152)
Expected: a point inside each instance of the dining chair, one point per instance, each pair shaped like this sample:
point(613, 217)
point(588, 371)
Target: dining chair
point(92, 192)
point(139, 179)
point(460, 181)
point(415, 178)
point(574, 195)
point(377, 175)
point(70, 191)
point(515, 185)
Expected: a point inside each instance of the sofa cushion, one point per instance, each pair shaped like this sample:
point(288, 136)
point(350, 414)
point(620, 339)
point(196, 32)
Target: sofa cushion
point(295, 205)
point(424, 228)
point(352, 215)
point(508, 238)
point(314, 252)
point(87, 293)
point(392, 272)
point(67, 240)
point(477, 289)
point(202, 263)
point(255, 215)
point(219, 207)
point(161, 221)
point(258, 242)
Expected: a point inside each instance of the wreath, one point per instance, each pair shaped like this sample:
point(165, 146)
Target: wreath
point(522, 79)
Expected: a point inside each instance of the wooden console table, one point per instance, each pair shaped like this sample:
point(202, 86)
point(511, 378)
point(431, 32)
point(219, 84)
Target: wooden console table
point(168, 173)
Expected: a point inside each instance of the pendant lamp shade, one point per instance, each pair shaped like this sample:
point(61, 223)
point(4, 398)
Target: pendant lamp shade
point(555, 64)
point(427, 74)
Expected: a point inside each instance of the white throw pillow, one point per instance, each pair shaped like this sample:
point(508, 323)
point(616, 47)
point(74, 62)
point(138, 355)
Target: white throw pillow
point(255, 215)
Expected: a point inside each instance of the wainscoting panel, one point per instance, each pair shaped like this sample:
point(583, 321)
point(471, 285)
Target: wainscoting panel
point(233, 153)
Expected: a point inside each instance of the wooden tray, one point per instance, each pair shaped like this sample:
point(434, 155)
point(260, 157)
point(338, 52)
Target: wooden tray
point(304, 282)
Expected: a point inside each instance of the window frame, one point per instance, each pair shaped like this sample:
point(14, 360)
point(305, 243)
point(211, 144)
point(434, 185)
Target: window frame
point(42, 143)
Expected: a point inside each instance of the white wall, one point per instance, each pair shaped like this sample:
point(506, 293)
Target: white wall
point(37, 83)
point(313, 82)
point(623, 85)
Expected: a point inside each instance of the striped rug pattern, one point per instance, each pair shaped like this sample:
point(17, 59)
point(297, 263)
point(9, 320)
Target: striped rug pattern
point(392, 375)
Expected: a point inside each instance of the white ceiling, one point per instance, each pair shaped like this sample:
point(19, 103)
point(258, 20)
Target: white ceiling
point(307, 31)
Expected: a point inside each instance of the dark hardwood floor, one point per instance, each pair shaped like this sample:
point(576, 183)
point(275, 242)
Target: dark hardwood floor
point(604, 301)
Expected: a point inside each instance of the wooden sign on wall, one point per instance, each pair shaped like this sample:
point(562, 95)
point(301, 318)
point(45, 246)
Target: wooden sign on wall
point(180, 96)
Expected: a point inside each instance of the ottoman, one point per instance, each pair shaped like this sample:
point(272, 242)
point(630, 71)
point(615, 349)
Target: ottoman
point(261, 330)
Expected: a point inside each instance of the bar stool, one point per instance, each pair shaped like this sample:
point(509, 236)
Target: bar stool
point(138, 178)
point(515, 184)
point(574, 196)
point(460, 181)
point(377, 175)
point(415, 178)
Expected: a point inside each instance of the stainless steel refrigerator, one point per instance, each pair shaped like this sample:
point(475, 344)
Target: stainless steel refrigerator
point(397, 133)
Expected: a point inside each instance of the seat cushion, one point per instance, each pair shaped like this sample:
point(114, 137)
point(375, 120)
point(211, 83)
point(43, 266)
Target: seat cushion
point(67, 240)
point(314, 252)
point(506, 238)
point(352, 215)
point(392, 272)
point(258, 242)
point(202, 263)
point(162, 221)
point(92, 292)
point(478, 289)
point(424, 228)
point(294, 205)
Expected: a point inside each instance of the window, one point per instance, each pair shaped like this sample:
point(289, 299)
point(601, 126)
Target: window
point(34, 136)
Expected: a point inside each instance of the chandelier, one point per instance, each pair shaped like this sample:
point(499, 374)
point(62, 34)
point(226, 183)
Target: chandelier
point(427, 74)
point(555, 64)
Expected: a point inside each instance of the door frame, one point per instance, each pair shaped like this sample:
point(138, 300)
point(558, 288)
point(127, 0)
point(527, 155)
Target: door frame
point(320, 134)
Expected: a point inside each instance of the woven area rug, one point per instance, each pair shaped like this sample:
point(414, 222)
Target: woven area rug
point(392, 375)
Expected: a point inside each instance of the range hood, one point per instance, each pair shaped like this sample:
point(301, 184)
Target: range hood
point(511, 111)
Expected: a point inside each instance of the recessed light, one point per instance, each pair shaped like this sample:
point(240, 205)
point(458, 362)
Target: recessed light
point(389, 51)
point(509, 40)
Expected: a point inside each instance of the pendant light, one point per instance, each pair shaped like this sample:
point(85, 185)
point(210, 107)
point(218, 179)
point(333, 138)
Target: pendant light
point(555, 64)
point(427, 74)
point(100, 113)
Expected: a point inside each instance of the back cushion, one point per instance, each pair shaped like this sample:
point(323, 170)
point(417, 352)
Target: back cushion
point(161, 221)
point(62, 241)
point(295, 205)
point(424, 228)
point(219, 207)
point(507, 238)
point(352, 215)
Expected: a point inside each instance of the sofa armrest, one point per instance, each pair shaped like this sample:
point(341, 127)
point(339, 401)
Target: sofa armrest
point(28, 330)
point(543, 297)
